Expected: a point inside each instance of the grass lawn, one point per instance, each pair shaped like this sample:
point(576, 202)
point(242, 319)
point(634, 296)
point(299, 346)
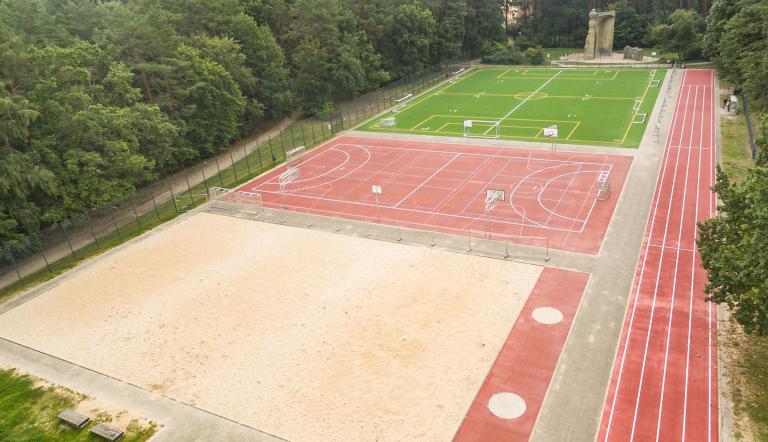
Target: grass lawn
point(746, 361)
point(605, 107)
point(28, 412)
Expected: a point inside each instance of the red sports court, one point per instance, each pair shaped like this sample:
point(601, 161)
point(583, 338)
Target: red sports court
point(564, 197)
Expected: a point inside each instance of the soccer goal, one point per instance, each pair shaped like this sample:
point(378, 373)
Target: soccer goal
point(221, 198)
point(287, 177)
point(248, 202)
point(293, 156)
point(640, 118)
point(482, 129)
point(655, 83)
point(603, 186)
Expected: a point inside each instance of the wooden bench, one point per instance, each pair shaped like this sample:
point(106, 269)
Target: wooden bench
point(74, 418)
point(107, 432)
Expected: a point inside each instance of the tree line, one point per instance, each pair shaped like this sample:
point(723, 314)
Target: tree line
point(733, 245)
point(98, 98)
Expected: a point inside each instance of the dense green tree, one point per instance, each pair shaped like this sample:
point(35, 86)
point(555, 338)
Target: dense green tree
point(484, 23)
point(630, 28)
point(742, 56)
point(733, 245)
point(450, 35)
point(682, 34)
point(407, 38)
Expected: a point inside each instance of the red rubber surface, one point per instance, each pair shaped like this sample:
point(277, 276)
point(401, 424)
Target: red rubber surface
point(441, 187)
point(664, 382)
point(527, 360)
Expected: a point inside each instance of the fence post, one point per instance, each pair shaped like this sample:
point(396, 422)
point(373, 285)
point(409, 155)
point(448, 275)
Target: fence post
point(314, 141)
point(247, 162)
point(157, 214)
point(232, 160)
point(271, 152)
point(135, 213)
point(186, 177)
point(303, 140)
point(205, 183)
point(221, 180)
point(90, 227)
point(45, 259)
point(173, 198)
point(69, 243)
point(16, 268)
point(282, 143)
point(258, 154)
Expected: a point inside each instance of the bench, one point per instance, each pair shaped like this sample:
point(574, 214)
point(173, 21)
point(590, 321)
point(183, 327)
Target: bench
point(107, 432)
point(74, 418)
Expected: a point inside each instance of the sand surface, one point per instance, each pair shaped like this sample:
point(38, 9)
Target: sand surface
point(305, 335)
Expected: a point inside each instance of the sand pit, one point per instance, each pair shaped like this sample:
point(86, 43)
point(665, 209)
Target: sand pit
point(306, 335)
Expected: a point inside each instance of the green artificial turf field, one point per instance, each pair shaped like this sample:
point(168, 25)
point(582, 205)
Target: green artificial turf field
point(605, 107)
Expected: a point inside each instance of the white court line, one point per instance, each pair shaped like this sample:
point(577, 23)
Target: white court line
point(560, 200)
point(524, 101)
point(674, 278)
point(681, 249)
point(659, 187)
point(477, 154)
point(594, 203)
point(425, 181)
point(472, 197)
point(450, 215)
point(656, 288)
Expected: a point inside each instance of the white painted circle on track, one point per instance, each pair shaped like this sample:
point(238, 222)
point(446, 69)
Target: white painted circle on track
point(506, 405)
point(547, 315)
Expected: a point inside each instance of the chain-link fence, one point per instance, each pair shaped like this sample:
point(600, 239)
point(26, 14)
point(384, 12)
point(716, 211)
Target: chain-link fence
point(59, 246)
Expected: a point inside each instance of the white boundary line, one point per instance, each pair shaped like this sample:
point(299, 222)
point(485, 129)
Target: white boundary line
point(674, 278)
point(416, 189)
point(526, 100)
point(658, 278)
point(693, 276)
point(657, 195)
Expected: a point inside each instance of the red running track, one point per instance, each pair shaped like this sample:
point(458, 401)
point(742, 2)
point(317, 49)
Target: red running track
point(664, 381)
point(441, 187)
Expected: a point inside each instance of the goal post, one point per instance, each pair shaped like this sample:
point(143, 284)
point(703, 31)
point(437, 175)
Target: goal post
point(603, 186)
point(488, 129)
point(248, 202)
point(293, 156)
point(221, 198)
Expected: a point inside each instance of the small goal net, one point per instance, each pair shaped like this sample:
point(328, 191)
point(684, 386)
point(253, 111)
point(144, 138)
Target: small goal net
point(287, 177)
point(482, 129)
point(293, 156)
point(603, 186)
point(221, 198)
point(248, 202)
point(640, 118)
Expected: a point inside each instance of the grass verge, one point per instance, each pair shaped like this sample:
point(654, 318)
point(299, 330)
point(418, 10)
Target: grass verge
point(28, 412)
point(745, 358)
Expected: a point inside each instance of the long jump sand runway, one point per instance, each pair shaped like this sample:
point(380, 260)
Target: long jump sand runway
point(305, 335)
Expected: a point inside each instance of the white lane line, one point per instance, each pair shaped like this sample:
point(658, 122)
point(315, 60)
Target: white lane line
point(658, 278)
point(712, 212)
point(640, 278)
point(427, 180)
point(524, 101)
point(674, 278)
point(693, 273)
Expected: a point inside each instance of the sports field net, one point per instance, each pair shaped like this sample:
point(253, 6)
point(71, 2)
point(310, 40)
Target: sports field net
point(486, 129)
point(235, 201)
point(293, 156)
